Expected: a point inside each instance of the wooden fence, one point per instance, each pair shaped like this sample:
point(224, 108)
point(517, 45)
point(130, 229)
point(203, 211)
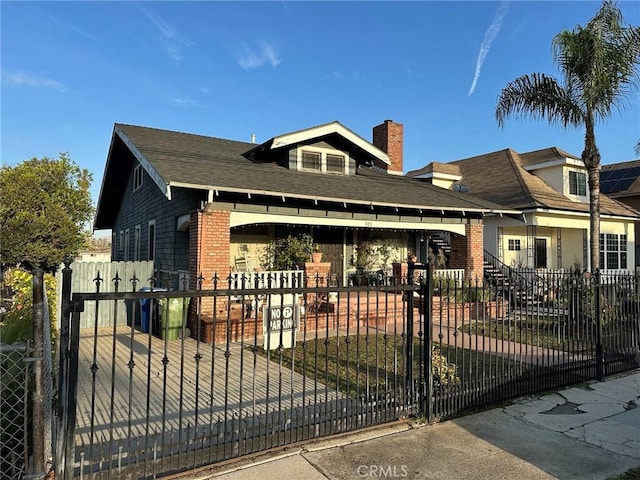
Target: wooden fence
point(84, 279)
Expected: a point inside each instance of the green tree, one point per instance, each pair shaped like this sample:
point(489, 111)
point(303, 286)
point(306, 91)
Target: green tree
point(44, 208)
point(598, 64)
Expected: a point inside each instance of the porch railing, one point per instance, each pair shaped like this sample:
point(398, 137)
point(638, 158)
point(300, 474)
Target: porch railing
point(265, 279)
point(456, 274)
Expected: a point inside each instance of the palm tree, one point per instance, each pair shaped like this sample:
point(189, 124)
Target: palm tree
point(598, 64)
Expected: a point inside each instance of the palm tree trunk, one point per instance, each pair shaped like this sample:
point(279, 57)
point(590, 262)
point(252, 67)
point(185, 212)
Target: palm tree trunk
point(591, 159)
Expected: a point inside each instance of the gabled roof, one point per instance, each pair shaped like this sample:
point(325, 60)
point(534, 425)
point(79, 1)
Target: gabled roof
point(182, 160)
point(620, 179)
point(501, 177)
point(332, 128)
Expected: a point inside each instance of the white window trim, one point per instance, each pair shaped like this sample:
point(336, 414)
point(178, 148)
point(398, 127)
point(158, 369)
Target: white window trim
point(604, 250)
point(138, 177)
point(323, 159)
point(126, 245)
point(136, 244)
point(151, 255)
point(516, 242)
point(586, 185)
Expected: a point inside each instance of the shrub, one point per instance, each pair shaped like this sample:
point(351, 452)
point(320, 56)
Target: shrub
point(17, 323)
point(444, 373)
point(287, 253)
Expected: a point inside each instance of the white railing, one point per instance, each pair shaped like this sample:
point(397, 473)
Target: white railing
point(266, 279)
point(456, 274)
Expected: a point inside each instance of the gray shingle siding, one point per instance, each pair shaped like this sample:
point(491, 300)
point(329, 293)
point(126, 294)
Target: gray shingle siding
point(149, 203)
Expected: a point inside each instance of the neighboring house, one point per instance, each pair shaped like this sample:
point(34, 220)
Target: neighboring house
point(622, 182)
point(550, 188)
point(94, 254)
point(202, 205)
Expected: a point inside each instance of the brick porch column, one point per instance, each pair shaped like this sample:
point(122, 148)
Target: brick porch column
point(209, 255)
point(316, 274)
point(467, 251)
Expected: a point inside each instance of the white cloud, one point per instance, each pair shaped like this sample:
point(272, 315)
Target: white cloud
point(22, 79)
point(170, 40)
point(264, 54)
point(489, 37)
point(184, 102)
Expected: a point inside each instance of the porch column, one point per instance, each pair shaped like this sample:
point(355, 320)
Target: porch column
point(209, 255)
point(468, 251)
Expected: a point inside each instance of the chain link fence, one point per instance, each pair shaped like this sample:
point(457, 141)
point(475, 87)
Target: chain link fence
point(14, 421)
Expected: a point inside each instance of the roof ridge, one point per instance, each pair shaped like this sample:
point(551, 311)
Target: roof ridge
point(157, 129)
point(514, 157)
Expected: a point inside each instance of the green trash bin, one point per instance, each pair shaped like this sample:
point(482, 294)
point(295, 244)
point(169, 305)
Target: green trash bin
point(171, 318)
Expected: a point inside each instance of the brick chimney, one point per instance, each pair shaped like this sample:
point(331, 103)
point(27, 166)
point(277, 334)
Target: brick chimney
point(388, 137)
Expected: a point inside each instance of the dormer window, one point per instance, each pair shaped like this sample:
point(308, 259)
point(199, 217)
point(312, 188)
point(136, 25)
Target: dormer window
point(578, 183)
point(335, 163)
point(319, 160)
point(311, 161)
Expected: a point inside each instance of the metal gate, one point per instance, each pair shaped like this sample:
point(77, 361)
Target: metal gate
point(183, 379)
point(190, 378)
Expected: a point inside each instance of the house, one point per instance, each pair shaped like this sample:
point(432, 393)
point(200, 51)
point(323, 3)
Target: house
point(199, 205)
point(622, 181)
point(550, 188)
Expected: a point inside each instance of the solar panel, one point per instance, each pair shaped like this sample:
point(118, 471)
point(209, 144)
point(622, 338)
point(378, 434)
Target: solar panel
point(632, 172)
point(613, 174)
point(618, 180)
point(623, 184)
point(608, 187)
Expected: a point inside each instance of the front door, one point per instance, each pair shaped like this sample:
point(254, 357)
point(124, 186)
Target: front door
point(541, 253)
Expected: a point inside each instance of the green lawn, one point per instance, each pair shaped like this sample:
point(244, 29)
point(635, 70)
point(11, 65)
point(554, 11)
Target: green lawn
point(541, 331)
point(362, 363)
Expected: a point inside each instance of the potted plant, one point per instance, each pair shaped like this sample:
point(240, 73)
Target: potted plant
point(287, 253)
point(316, 255)
point(364, 259)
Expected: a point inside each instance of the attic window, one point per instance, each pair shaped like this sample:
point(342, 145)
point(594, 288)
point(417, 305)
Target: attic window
point(322, 161)
point(578, 184)
point(311, 161)
point(137, 177)
point(335, 163)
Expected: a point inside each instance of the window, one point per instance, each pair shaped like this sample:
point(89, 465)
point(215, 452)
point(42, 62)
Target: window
point(321, 161)
point(311, 161)
point(578, 183)
point(152, 240)
point(335, 163)
point(122, 240)
point(137, 177)
point(514, 244)
point(136, 244)
point(613, 251)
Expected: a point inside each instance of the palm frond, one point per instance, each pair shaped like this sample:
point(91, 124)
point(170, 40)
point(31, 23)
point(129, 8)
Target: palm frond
point(539, 96)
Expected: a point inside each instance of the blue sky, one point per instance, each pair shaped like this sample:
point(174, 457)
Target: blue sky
point(70, 70)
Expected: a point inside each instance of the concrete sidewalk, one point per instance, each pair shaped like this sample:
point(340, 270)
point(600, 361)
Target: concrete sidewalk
point(585, 432)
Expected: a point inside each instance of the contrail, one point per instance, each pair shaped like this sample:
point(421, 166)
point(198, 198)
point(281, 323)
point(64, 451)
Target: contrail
point(489, 37)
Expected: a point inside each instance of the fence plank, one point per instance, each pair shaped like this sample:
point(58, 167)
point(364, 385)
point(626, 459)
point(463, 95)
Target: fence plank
point(83, 280)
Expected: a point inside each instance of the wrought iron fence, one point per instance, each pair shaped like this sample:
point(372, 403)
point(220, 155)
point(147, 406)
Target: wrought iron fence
point(194, 377)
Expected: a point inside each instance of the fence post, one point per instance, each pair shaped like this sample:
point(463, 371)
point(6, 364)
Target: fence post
point(598, 307)
point(427, 306)
point(60, 459)
point(409, 347)
point(38, 381)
